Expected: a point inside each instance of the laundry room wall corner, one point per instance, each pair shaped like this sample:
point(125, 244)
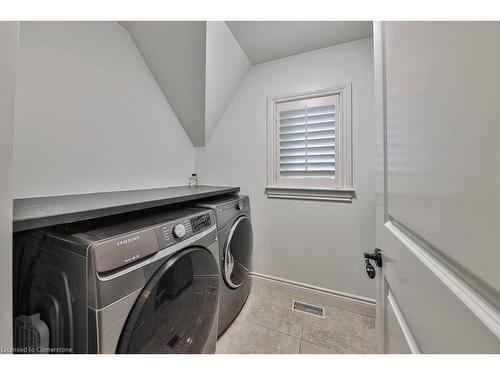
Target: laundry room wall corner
point(314, 243)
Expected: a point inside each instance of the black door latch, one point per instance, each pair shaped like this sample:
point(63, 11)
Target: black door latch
point(377, 257)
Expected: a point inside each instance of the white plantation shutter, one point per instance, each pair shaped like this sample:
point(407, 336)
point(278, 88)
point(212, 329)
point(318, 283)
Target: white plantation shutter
point(309, 145)
point(306, 138)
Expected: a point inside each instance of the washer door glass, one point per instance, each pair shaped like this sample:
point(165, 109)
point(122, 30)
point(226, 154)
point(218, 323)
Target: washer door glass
point(177, 308)
point(237, 256)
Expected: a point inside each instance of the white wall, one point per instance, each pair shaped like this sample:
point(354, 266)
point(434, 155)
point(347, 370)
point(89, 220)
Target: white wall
point(226, 68)
point(312, 242)
point(89, 115)
point(9, 33)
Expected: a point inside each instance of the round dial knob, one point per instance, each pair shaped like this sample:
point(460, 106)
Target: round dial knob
point(179, 231)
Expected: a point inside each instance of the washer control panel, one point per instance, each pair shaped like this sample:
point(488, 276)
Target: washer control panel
point(178, 230)
point(172, 232)
point(201, 222)
point(121, 250)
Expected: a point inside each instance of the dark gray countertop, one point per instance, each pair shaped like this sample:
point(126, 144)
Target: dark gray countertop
point(30, 213)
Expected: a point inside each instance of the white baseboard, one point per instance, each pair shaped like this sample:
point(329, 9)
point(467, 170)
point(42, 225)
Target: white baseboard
point(328, 297)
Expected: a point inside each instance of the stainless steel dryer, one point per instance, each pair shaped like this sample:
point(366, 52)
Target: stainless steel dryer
point(144, 285)
point(235, 236)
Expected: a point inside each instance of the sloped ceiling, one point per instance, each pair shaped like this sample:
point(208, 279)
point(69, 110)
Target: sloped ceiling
point(198, 66)
point(268, 40)
point(175, 53)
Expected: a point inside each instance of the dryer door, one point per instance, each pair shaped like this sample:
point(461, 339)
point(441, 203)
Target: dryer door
point(237, 255)
point(177, 308)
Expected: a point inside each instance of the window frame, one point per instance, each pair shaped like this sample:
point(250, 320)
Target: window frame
point(341, 188)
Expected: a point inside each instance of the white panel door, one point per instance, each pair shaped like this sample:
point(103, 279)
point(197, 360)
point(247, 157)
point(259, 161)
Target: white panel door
point(438, 186)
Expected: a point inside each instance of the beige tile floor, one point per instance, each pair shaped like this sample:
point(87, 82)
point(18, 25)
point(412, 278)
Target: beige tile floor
point(267, 324)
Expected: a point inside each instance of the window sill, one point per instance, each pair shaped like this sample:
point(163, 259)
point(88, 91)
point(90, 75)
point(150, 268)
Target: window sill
point(334, 195)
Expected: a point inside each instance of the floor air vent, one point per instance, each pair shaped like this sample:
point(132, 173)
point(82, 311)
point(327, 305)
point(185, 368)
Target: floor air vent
point(308, 309)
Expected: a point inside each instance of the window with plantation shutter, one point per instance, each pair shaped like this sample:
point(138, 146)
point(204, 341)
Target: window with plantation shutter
point(309, 145)
point(307, 138)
